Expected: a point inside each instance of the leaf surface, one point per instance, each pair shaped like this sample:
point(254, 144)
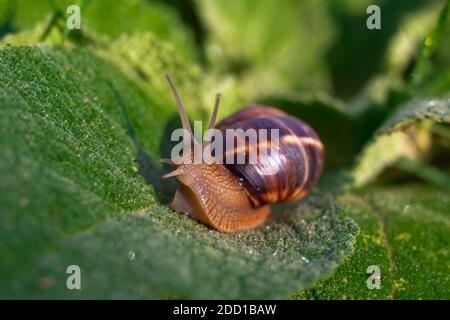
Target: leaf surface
point(78, 188)
point(404, 231)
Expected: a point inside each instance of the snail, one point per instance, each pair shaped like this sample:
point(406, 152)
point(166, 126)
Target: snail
point(232, 197)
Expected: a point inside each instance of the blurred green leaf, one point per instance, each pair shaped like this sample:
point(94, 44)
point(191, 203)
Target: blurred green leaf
point(357, 54)
point(112, 18)
point(400, 137)
point(273, 47)
point(431, 72)
point(426, 172)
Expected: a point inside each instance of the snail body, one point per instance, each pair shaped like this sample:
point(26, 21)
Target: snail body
point(236, 196)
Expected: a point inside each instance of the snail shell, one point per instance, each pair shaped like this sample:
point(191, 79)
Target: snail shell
point(299, 162)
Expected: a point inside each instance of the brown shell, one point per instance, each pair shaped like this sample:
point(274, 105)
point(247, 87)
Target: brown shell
point(300, 159)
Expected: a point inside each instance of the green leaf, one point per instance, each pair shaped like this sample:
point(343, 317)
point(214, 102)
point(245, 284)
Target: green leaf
point(405, 131)
point(173, 255)
point(408, 41)
point(430, 74)
point(425, 172)
point(112, 18)
point(273, 47)
point(358, 53)
point(399, 136)
point(146, 60)
point(74, 168)
point(403, 230)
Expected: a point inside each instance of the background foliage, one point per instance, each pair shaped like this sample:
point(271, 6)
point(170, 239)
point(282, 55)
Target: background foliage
point(85, 116)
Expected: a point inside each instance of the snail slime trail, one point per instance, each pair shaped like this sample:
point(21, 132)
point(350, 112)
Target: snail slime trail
point(231, 190)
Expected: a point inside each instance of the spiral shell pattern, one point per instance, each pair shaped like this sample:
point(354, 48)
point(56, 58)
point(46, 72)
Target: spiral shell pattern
point(297, 165)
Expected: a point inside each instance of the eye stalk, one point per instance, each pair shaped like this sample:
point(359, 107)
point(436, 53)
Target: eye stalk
point(181, 110)
point(212, 121)
point(186, 125)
